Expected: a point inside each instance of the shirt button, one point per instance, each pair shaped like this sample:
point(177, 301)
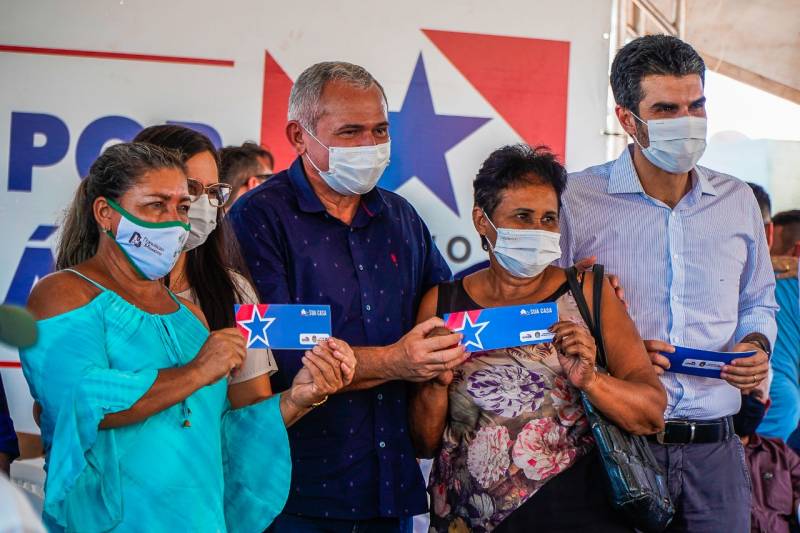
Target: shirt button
point(361, 267)
point(382, 444)
point(380, 396)
point(674, 213)
point(675, 298)
point(369, 307)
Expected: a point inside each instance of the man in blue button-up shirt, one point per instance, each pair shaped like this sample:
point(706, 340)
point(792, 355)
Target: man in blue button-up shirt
point(321, 233)
point(689, 246)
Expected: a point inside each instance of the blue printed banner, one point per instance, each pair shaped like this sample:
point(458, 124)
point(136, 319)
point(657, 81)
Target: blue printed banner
point(283, 326)
point(503, 327)
point(702, 363)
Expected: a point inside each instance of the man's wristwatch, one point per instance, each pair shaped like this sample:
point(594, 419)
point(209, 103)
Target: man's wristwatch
point(759, 340)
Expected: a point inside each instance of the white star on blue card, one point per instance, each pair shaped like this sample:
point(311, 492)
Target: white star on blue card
point(257, 327)
point(283, 326)
point(471, 332)
point(495, 328)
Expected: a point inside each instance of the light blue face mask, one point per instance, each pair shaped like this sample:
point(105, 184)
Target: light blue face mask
point(152, 248)
point(676, 144)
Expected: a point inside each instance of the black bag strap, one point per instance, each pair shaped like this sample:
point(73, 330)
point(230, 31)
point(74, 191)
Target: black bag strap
point(592, 319)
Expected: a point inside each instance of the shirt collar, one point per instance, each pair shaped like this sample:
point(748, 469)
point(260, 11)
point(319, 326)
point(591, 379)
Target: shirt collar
point(371, 203)
point(624, 180)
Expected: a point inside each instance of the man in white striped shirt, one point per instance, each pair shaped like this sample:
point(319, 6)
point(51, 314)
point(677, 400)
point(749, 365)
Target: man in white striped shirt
point(689, 247)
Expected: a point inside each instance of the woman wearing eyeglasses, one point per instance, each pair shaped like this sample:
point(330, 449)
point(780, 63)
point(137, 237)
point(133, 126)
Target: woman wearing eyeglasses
point(210, 272)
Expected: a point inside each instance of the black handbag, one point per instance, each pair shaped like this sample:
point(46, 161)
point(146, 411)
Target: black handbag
point(636, 483)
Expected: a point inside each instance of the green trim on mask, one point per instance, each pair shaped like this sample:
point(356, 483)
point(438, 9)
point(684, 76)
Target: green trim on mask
point(169, 224)
point(133, 264)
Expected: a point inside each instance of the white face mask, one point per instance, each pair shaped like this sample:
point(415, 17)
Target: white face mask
point(525, 253)
point(353, 170)
point(203, 220)
point(676, 144)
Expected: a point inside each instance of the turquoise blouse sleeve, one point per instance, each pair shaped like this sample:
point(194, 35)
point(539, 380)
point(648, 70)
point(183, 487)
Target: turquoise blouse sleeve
point(68, 373)
point(256, 464)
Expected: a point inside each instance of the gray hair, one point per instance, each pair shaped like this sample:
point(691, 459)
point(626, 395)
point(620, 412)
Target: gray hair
point(304, 100)
point(651, 54)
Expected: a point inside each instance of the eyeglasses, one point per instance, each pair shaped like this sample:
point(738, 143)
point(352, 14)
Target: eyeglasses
point(218, 193)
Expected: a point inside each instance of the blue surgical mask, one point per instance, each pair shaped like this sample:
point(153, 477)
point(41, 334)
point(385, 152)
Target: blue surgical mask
point(676, 144)
point(152, 248)
point(353, 170)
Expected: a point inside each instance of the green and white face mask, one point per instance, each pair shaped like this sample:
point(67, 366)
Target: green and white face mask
point(152, 248)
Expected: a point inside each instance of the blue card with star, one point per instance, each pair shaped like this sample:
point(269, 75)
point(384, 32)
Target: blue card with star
point(494, 328)
point(702, 363)
point(283, 326)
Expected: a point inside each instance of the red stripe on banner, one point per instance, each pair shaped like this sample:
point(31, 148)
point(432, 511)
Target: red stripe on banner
point(115, 55)
point(10, 364)
point(524, 79)
point(274, 106)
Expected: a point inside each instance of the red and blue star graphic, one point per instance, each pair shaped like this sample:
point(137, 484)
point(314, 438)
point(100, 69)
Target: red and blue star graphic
point(422, 137)
point(252, 323)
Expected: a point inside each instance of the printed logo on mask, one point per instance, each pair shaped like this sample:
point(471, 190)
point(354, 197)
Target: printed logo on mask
point(136, 239)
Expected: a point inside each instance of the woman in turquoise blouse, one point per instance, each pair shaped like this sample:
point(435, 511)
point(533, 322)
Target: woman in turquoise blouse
point(135, 418)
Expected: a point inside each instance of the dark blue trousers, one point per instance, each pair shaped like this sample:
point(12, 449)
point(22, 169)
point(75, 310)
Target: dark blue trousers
point(709, 485)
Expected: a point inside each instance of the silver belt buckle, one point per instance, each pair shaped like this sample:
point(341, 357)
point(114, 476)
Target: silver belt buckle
point(692, 427)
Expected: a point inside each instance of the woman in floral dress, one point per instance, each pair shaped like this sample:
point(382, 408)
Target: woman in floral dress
point(513, 449)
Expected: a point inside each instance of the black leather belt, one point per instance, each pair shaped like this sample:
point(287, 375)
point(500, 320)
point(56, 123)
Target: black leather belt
point(691, 431)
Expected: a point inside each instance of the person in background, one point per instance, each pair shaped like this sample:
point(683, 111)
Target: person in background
point(17, 329)
point(513, 448)
point(210, 271)
point(244, 168)
point(9, 447)
point(783, 417)
point(786, 245)
point(774, 468)
point(696, 276)
point(137, 429)
point(321, 232)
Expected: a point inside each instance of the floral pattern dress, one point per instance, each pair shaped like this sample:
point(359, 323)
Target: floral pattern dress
point(514, 423)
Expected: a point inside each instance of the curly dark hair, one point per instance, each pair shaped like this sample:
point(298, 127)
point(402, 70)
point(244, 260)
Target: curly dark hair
point(513, 165)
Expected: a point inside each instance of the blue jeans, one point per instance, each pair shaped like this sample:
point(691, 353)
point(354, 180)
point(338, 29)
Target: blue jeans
point(288, 523)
